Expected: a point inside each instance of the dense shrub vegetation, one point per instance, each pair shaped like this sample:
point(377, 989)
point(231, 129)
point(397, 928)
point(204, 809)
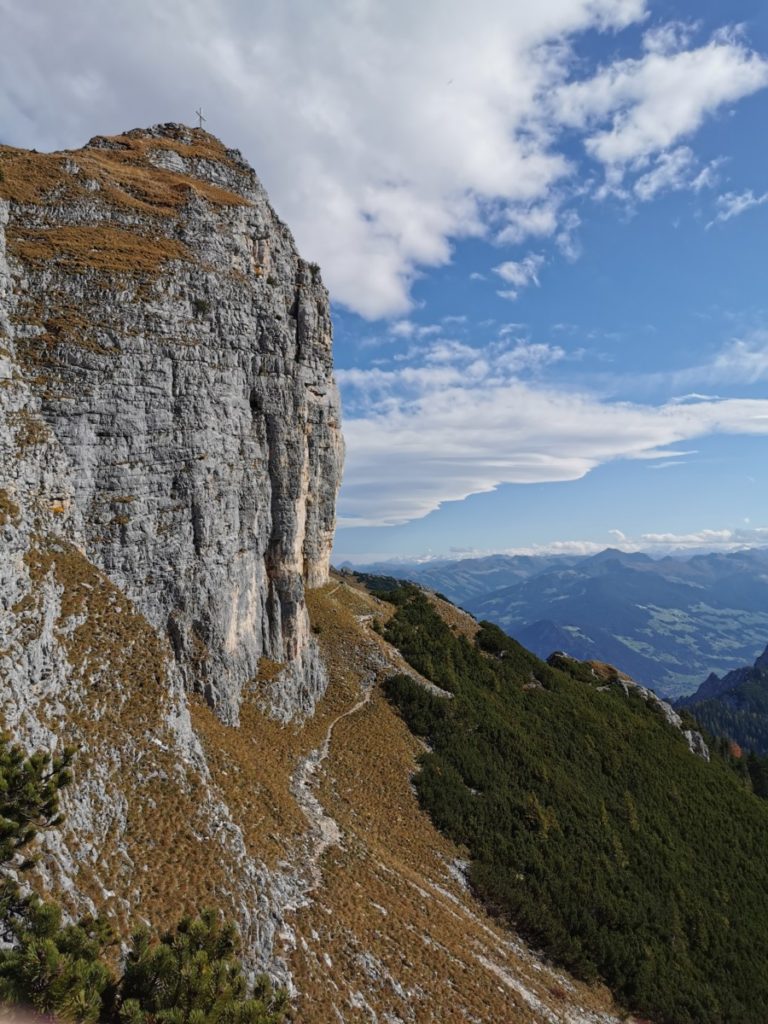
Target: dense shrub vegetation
point(741, 714)
point(591, 826)
point(191, 975)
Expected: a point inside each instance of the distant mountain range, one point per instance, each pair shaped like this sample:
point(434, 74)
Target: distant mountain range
point(735, 705)
point(667, 622)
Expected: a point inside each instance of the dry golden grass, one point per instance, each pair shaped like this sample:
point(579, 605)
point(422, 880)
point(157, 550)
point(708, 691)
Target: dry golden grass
point(100, 247)
point(250, 768)
point(203, 146)
point(27, 177)
point(9, 510)
point(124, 175)
point(605, 672)
point(69, 325)
point(389, 927)
point(160, 852)
point(252, 765)
point(458, 620)
point(29, 429)
point(392, 929)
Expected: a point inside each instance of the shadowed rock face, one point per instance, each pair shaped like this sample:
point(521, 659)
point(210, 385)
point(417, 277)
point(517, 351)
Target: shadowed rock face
point(171, 408)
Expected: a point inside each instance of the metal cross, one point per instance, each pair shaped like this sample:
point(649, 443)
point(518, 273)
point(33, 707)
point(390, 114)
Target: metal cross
point(200, 118)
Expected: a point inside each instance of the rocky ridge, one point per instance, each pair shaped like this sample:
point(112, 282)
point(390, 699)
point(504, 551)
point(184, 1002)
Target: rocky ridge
point(716, 686)
point(171, 452)
point(614, 677)
point(167, 363)
point(170, 457)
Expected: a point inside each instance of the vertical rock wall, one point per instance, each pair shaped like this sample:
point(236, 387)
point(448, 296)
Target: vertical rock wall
point(176, 351)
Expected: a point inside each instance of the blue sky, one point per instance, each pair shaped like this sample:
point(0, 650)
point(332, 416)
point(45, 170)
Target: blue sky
point(662, 297)
point(543, 231)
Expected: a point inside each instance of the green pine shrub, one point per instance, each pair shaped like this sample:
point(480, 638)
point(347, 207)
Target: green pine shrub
point(591, 827)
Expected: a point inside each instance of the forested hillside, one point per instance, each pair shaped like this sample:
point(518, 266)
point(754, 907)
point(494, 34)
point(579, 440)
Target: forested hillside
point(590, 824)
point(667, 622)
point(735, 706)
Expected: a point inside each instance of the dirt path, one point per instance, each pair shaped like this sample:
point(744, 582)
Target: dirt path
point(324, 831)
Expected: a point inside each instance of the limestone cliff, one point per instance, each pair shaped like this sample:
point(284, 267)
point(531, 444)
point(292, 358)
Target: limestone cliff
point(169, 433)
point(169, 403)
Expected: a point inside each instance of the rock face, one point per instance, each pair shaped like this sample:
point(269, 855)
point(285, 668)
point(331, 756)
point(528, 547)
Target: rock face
point(170, 453)
point(169, 403)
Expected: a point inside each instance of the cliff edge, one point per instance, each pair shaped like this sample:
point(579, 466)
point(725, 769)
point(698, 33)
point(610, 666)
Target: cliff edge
point(168, 408)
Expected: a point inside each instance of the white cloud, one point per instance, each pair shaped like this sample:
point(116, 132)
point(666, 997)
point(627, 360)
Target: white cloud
point(694, 396)
point(383, 132)
point(711, 540)
point(519, 274)
point(529, 357)
point(733, 203)
point(512, 328)
point(668, 38)
point(635, 108)
point(707, 176)
point(666, 453)
point(564, 239)
point(659, 544)
point(540, 219)
point(410, 329)
point(422, 435)
point(402, 328)
point(450, 352)
point(446, 362)
point(672, 171)
point(655, 544)
point(744, 360)
point(741, 361)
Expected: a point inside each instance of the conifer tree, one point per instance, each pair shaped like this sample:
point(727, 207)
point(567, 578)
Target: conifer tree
point(191, 975)
point(29, 803)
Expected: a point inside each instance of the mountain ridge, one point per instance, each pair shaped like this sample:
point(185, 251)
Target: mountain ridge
point(157, 299)
point(171, 452)
point(667, 622)
point(735, 706)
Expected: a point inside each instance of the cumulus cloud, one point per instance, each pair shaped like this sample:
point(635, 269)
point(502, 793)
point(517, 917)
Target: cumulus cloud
point(540, 219)
point(465, 423)
point(383, 132)
point(635, 108)
point(669, 37)
point(726, 539)
point(675, 170)
point(529, 357)
point(519, 274)
point(739, 362)
point(657, 544)
point(410, 329)
point(731, 204)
